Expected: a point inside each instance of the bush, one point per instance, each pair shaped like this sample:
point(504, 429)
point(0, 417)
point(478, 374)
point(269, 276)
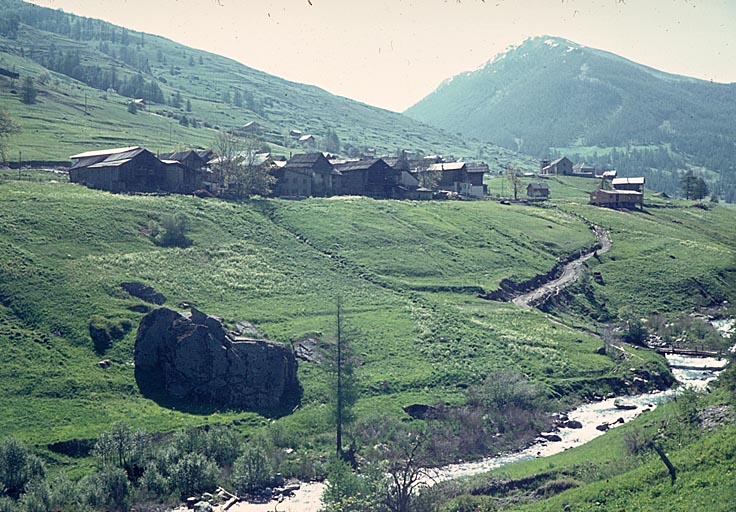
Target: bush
point(36, 497)
point(193, 474)
point(636, 441)
point(17, 467)
point(173, 231)
point(251, 470)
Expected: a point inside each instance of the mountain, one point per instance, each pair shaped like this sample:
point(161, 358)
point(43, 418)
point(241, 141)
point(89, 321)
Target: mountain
point(550, 96)
point(87, 71)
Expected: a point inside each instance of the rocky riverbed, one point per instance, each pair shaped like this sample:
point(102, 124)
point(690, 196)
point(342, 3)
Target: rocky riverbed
point(576, 428)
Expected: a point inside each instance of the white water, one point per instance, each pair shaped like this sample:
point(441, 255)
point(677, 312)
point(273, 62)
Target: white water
point(308, 498)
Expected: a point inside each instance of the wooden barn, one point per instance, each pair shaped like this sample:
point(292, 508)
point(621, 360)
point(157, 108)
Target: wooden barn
point(131, 169)
point(620, 199)
point(372, 177)
point(537, 191)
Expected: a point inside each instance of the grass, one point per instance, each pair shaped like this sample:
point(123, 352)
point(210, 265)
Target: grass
point(408, 272)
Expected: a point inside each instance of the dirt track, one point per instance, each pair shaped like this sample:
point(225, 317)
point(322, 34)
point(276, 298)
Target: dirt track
point(570, 274)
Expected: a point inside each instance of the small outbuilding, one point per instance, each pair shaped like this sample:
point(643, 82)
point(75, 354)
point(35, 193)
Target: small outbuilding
point(537, 191)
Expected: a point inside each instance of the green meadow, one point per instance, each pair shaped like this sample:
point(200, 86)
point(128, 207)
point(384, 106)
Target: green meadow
point(409, 274)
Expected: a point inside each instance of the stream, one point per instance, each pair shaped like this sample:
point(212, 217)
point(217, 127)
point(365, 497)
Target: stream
point(689, 371)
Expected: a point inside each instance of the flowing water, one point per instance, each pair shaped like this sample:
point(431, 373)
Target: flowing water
point(696, 372)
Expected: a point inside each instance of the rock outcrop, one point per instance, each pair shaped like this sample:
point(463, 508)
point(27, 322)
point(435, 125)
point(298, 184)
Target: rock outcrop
point(194, 358)
point(144, 292)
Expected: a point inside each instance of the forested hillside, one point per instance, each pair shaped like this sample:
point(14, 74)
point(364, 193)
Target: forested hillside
point(551, 96)
point(85, 72)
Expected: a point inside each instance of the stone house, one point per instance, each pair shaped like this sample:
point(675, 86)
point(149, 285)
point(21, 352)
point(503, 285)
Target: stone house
point(561, 166)
point(304, 175)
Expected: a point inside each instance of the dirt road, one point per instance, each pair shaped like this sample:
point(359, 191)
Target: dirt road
point(570, 274)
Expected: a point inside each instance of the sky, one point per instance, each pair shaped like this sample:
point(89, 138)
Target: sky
point(392, 53)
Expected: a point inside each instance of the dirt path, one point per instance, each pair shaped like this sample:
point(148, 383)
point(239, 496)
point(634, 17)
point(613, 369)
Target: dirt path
point(570, 274)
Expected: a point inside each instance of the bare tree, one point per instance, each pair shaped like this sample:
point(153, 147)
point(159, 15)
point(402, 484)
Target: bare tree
point(514, 176)
point(8, 128)
point(240, 165)
point(429, 179)
point(405, 459)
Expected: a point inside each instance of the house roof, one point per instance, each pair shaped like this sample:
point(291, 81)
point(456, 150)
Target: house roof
point(628, 181)
point(304, 162)
point(103, 152)
point(180, 156)
point(447, 166)
point(477, 167)
point(555, 162)
point(632, 193)
point(305, 138)
point(97, 159)
point(538, 186)
point(359, 165)
point(305, 159)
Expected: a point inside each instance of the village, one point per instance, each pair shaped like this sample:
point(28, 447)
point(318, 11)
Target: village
point(317, 174)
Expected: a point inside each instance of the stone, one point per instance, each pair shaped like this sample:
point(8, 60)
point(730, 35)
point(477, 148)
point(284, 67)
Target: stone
point(105, 364)
point(551, 437)
point(622, 404)
point(203, 506)
point(308, 350)
point(278, 480)
point(603, 427)
point(573, 424)
point(420, 411)
point(195, 359)
point(247, 329)
point(144, 292)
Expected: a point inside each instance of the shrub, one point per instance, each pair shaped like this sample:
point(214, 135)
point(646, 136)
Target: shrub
point(17, 467)
point(194, 473)
point(63, 493)
point(36, 497)
point(173, 231)
point(636, 441)
point(251, 470)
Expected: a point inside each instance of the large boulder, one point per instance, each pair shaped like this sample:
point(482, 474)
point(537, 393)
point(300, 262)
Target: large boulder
point(194, 358)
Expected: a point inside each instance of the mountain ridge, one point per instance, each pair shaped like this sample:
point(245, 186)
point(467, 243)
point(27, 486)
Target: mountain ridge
point(550, 96)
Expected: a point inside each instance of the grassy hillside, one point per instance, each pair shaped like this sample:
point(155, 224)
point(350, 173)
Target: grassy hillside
point(409, 274)
point(551, 96)
point(87, 70)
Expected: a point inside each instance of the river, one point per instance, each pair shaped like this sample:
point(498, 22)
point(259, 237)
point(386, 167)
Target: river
point(698, 372)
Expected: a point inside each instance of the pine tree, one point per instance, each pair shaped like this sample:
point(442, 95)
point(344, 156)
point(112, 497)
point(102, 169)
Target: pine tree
point(29, 91)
